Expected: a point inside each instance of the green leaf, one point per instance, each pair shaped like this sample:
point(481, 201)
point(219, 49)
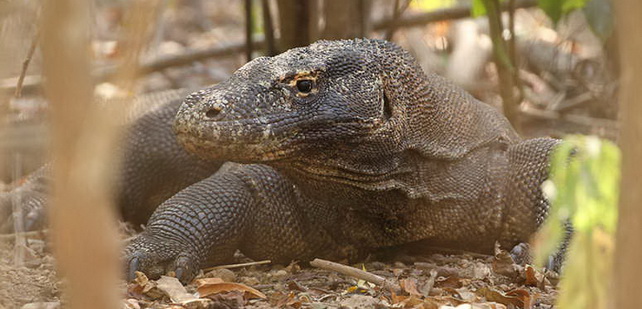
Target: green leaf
point(583, 188)
point(431, 5)
point(478, 8)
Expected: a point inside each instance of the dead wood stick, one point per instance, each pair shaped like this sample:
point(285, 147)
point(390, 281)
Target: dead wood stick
point(356, 273)
point(25, 64)
point(228, 266)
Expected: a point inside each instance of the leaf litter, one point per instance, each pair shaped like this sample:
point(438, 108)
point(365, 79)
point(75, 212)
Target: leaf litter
point(436, 281)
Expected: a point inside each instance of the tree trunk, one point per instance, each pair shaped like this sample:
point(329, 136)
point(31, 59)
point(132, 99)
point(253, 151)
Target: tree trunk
point(629, 235)
point(298, 23)
point(345, 19)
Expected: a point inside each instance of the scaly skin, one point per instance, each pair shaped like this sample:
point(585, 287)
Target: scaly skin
point(155, 167)
point(342, 147)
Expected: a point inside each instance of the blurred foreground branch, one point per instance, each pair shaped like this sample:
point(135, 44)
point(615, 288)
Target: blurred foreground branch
point(82, 219)
point(85, 137)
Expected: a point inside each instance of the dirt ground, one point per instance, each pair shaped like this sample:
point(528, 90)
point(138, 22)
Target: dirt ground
point(435, 280)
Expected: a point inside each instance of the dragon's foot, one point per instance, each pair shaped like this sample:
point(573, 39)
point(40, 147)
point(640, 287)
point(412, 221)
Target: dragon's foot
point(156, 257)
point(522, 254)
point(22, 210)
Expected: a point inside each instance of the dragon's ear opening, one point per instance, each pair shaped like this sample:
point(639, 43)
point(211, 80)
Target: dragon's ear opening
point(387, 107)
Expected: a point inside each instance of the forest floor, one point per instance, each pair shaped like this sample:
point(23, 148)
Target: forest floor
point(436, 280)
point(27, 268)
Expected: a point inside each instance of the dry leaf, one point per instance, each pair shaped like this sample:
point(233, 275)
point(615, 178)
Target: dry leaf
point(503, 264)
point(409, 285)
point(280, 300)
point(233, 299)
point(143, 286)
point(429, 284)
point(526, 297)
point(481, 271)
point(174, 289)
point(197, 303)
point(209, 286)
point(130, 304)
point(449, 282)
point(518, 297)
point(466, 295)
point(532, 277)
point(405, 301)
point(205, 281)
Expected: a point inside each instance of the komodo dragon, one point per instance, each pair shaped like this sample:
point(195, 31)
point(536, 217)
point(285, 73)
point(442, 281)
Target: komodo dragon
point(340, 148)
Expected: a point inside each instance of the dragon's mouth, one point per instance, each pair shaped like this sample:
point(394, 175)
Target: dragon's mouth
point(266, 138)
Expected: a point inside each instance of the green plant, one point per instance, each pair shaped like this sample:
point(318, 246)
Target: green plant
point(583, 189)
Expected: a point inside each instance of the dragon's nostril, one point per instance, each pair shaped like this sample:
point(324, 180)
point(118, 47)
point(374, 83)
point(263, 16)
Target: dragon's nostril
point(212, 112)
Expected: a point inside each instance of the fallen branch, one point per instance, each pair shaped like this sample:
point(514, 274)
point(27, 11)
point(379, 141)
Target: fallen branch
point(357, 273)
point(603, 127)
point(40, 234)
point(229, 266)
point(33, 82)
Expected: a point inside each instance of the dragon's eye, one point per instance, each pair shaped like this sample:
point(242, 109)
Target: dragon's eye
point(304, 85)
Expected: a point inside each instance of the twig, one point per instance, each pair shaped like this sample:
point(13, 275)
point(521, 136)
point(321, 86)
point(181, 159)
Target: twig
point(25, 64)
point(30, 234)
point(238, 265)
point(357, 273)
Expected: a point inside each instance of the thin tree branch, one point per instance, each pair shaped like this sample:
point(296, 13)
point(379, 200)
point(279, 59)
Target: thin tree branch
point(512, 51)
point(503, 62)
point(396, 14)
point(25, 64)
point(33, 82)
point(453, 13)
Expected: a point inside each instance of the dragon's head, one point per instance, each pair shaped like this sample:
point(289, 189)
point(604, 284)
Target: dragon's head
point(346, 108)
point(324, 99)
